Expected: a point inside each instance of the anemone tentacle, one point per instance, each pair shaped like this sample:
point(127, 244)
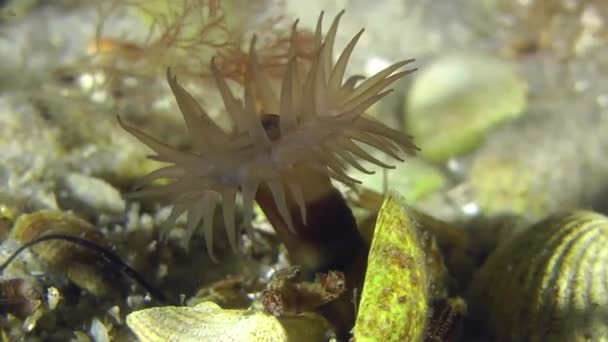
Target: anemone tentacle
point(321, 125)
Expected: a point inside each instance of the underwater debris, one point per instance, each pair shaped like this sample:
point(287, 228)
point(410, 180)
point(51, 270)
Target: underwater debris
point(186, 34)
point(287, 294)
point(446, 322)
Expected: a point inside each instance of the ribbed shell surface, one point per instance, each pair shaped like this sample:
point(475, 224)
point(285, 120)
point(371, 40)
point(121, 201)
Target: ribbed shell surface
point(550, 283)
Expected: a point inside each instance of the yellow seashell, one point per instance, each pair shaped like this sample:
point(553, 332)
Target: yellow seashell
point(205, 322)
point(548, 283)
point(78, 264)
point(31, 226)
point(395, 299)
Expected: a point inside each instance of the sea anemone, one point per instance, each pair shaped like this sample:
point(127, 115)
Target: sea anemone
point(315, 119)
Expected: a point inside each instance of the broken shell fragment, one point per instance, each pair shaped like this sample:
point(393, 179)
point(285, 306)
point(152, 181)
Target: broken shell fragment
point(395, 299)
point(287, 294)
point(548, 283)
point(205, 322)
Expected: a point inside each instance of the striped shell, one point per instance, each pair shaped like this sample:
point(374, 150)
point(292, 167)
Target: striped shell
point(204, 322)
point(549, 283)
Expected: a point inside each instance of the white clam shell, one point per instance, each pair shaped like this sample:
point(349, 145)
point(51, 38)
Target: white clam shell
point(204, 322)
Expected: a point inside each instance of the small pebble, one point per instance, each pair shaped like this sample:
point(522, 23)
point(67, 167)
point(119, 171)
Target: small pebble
point(89, 196)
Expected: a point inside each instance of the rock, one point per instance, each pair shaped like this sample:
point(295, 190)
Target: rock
point(89, 196)
point(456, 100)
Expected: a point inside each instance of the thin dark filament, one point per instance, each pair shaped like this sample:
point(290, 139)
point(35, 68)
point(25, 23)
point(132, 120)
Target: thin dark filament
point(107, 255)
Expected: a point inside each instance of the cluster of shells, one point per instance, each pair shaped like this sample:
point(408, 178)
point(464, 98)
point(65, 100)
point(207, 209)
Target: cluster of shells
point(545, 284)
point(36, 267)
